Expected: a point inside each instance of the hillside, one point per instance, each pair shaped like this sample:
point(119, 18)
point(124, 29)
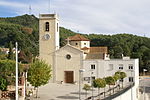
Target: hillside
point(24, 29)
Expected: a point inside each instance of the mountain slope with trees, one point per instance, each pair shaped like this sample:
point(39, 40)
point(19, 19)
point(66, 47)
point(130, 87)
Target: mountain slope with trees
point(24, 29)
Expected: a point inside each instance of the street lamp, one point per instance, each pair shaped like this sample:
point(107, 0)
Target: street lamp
point(16, 71)
point(132, 80)
point(26, 71)
point(80, 71)
point(92, 84)
point(144, 70)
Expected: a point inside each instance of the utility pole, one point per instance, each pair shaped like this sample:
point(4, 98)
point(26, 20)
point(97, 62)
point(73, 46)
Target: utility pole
point(30, 9)
point(16, 71)
point(80, 71)
point(92, 85)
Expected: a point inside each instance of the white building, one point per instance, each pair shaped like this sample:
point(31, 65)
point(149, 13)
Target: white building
point(100, 68)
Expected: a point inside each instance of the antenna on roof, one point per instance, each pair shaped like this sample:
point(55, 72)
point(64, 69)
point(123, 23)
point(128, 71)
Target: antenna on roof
point(49, 6)
point(30, 9)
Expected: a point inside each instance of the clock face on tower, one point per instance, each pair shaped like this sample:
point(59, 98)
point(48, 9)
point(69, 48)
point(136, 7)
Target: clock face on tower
point(46, 36)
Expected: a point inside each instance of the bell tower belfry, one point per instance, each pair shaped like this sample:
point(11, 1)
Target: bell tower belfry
point(48, 38)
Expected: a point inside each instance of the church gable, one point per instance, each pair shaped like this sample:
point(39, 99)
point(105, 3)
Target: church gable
point(68, 61)
point(69, 48)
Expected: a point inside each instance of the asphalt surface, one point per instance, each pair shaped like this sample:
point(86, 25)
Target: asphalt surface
point(144, 88)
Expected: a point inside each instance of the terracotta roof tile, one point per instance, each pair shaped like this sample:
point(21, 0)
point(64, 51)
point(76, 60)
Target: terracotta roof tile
point(85, 48)
point(95, 56)
point(78, 37)
point(98, 50)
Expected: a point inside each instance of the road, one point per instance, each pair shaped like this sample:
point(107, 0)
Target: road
point(145, 88)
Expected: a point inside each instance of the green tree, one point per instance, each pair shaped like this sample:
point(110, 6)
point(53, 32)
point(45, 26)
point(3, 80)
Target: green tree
point(86, 88)
point(116, 78)
point(3, 56)
point(39, 74)
point(122, 76)
point(118, 51)
point(109, 81)
point(126, 50)
point(7, 70)
point(10, 54)
point(3, 83)
point(99, 83)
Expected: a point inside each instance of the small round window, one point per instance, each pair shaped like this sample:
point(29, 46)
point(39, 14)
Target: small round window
point(68, 56)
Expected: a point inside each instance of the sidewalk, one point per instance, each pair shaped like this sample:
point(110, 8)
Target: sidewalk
point(54, 91)
point(144, 97)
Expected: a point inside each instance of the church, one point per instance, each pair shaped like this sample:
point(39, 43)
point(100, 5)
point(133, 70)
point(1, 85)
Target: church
point(77, 54)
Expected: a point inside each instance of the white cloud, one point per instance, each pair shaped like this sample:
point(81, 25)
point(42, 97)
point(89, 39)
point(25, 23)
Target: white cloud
point(97, 16)
point(12, 4)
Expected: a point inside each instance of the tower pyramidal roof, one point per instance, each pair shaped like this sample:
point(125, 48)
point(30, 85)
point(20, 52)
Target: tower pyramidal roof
point(78, 37)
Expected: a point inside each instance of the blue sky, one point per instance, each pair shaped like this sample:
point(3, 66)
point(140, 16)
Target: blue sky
point(87, 16)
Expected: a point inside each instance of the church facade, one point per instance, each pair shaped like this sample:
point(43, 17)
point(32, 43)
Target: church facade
point(77, 54)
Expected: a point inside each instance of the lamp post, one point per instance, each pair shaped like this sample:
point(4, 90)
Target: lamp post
point(26, 71)
point(80, 71)
point(16, 71)
point(92, 84)
point(144, 70)
point(132, 80)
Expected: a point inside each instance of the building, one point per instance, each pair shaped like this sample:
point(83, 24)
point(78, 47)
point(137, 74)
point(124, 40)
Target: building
point(99, 68)
point(77, 54)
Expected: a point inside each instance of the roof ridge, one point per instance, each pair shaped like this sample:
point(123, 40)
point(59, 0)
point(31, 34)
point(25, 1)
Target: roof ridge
point(78, 37)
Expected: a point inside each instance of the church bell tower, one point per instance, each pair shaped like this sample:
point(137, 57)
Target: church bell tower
point(48, 38)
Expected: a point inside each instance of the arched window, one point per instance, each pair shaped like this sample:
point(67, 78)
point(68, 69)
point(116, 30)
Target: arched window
point(47, 26)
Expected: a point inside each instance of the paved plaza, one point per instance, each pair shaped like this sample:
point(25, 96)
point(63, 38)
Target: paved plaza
point(54, 91)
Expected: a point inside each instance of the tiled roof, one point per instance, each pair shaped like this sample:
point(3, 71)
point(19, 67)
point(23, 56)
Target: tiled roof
point(85, 48)
point(98, 50)
point(78, 37)
point(95, 56)
point(96, 53)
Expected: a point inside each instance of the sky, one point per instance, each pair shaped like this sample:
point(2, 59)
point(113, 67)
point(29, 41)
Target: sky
point(88, 16)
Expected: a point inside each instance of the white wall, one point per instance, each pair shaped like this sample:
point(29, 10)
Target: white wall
point(80, 44)
point(63, 64)
point(131, 94)
point(102, 68)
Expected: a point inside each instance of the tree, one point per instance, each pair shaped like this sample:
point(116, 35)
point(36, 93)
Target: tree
point(2, 55)
point(99, 83)
point(118, 51)
point(3, 83)
point(127, 51)
point(10, 54)
point(122, 76)
point(86, 88)
point(116, 78)
point(7, 73)
point(39, 74)
point(110, 81)
point(25, 57)
point(117, 75)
